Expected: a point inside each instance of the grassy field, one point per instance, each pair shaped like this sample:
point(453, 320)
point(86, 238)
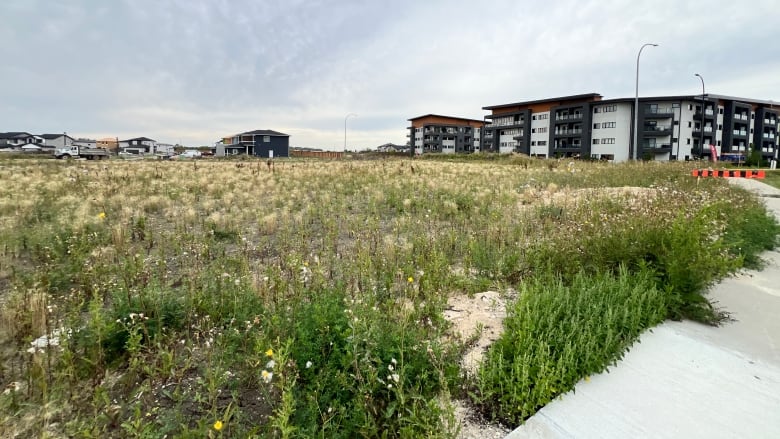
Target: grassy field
point(229, 299)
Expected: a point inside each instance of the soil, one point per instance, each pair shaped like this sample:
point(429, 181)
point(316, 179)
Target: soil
point(479, 320)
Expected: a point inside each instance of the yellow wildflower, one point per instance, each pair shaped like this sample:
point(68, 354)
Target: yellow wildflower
point(269, 353)
point(218, 425)
point(410, 280)
point(102, 215)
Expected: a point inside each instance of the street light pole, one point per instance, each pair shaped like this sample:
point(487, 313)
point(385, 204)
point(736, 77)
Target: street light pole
point(636, 100)
point(701, 127)
point(345, 130)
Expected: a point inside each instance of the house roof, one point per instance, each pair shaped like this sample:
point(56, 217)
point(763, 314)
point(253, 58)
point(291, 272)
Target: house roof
point(14, 134)
point(143, 139)
point(264, 133)
point(54, 136)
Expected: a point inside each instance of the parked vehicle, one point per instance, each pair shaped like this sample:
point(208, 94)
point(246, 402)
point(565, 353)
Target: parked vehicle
point(74, 151)
point(189, 154)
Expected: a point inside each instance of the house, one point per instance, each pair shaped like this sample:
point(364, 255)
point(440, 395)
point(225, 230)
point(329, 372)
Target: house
point(109, 143)
point(390, 147)
point(138, 145)
point(57, 140)
point(259, 143)
point(445, 134)
point(17, 139)
point(164, 149)
point(85, 143)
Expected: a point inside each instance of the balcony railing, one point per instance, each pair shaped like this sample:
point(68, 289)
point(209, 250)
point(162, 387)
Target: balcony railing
point(666, 111)
point(656, 146)
point(740, 133)
point(656, 128)
point(567, 132)
point(770, 122)
point(575, 116)
point(769, 135)
point(741, 116)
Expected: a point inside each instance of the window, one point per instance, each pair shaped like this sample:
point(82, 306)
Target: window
point(608, 125)
point(608, 141)
point(597, 110)
point(610, 108)
point(533, 117)
point(674, 139)
point(752, 115)
point(544, 116)
point(533, 142)
point(690, 107)
point(689, 124)
point(595, 141)
point(720, 127)
point(266, 139)
point(751, 131)
point(688, 140)
point(720, 111)
point(542, 143)
point(541, 130)
point(533, 130)
point(718, 142)
point(596, 126)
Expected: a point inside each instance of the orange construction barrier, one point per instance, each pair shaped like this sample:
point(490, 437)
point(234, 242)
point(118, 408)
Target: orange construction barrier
point(737, 173)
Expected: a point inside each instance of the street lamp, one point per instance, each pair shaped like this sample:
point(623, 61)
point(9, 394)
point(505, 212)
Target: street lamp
point(345, 130)
point(701, 126)
point(636, 100)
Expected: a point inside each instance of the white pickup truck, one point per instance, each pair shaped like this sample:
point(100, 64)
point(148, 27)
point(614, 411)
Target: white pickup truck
point(78, 151)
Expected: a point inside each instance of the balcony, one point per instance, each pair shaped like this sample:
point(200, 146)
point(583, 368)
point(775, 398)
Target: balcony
point(739, 133)
point(572, 132)
point(738, 116)
point(708, 113)
point(658, 112)
point(656, 147)
point(575, 116)
point(772, 122)
point(769, 135)
point(657, 130)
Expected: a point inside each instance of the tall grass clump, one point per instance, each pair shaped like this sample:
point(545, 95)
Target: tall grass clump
point(556, 333)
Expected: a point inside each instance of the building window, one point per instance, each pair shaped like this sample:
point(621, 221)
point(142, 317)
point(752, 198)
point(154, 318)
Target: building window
point(596, 126)
point(542, 143)
point(720, 127)
point(718, 142)
point(597, 110)
point(720, 111)
point(676, 122)
point(266, 139)
point(544, 116)
point(595, 141)
point(610, 108)
point(608, 125)
point(533, 143)
point(541, 130)
point(690, 107)
point(674, 139)
point(533, 117)
point(608, 141)
point(688, 140)
point(689, 124)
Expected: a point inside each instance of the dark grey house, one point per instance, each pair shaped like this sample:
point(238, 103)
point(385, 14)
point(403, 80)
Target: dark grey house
point(259, 143)
point(18, 139)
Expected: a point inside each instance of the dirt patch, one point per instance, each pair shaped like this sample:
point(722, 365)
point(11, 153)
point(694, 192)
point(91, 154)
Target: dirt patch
point(478, 320)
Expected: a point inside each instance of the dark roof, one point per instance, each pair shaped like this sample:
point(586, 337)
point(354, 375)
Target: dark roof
point(593, 96)
point(448, 117)
point(693, 97)
point(264, 133)
point(54, 136)
point(143, 139)
point(14, 134)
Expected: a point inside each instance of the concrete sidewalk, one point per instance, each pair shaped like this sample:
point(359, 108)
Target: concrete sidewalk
point(686, 380)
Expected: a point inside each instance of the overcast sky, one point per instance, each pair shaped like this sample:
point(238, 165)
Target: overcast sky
point(191, 71)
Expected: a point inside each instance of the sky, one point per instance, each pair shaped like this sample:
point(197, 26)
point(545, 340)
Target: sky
point(193, 71)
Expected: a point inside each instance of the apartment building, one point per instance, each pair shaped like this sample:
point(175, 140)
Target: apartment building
point(445, 134)
point(669, 127)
